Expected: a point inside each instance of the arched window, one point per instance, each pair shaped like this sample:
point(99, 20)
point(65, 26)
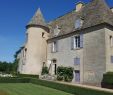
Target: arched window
point(78, 23)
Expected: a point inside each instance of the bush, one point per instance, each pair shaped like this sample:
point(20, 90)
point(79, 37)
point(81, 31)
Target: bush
point(75, 90)
point(66, 73)
point(60, 78)
point(45, 70)
point(107, 81)
point(27, 75)
point(14, 80)
point(108, 78)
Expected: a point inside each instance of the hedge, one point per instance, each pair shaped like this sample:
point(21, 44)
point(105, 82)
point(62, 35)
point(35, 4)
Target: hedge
point(69, 88)
point(14, 80)
point(75, 90)
point(27, 75)
point(108, 78)
point(107, 81)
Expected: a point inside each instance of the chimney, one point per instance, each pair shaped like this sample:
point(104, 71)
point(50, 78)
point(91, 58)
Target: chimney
point(79, 5)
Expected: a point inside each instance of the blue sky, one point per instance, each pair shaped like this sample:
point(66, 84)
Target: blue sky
point(15, 14)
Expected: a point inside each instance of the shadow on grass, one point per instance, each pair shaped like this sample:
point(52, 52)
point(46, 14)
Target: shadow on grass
point(3, 93)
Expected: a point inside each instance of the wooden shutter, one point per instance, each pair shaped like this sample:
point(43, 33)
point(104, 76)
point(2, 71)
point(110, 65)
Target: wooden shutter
point(72, 43)
point(81, 40)
point(57, 46)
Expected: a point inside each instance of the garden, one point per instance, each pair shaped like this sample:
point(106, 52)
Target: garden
point(35, 86)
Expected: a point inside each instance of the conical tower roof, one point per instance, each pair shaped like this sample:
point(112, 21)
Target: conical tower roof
point(37, 19)
point(96, 12)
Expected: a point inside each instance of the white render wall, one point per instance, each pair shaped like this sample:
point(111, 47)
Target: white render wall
point(36, 52)
point(109, 50)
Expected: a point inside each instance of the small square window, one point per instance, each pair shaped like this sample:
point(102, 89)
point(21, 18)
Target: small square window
point(112, 59)
point(111, 41)
point(76, 61)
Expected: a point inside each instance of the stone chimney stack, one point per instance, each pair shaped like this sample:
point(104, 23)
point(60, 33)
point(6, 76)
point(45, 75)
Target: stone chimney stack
point(79, 5)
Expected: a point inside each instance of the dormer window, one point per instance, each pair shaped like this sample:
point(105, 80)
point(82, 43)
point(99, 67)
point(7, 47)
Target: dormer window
point(78, 23)
point(57, 30)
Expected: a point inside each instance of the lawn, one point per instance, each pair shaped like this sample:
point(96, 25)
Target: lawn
point(28, 89)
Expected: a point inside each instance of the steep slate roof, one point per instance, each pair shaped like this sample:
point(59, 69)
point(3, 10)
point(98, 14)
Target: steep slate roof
point(37, 19)
point(93, 13)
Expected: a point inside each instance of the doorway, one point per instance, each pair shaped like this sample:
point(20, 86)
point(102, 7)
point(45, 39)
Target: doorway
point(54, 67)
point(77, 76)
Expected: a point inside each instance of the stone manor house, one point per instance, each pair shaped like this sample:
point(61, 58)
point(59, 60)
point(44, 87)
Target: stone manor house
point(82, 39)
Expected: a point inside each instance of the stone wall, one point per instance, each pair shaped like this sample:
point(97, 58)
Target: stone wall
point(109, 50)
point(36, 53)
point(94, 56)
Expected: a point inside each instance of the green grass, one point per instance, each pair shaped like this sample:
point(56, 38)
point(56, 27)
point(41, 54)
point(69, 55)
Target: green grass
point(28, 89)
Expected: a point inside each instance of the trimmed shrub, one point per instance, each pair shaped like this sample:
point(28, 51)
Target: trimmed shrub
point(107, 81)
point(75, 90)
point(14, 80)
point(65, 72)
point(60, 78)
point(27, 75)
point(108, 78)
point(45, 70)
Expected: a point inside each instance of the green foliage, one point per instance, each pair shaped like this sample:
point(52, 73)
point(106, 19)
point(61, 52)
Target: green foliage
point(6, 67)
point(14, 80)
point(75, 90)
point(45, 70)
point(3, 93)
point(60, 78)
point(108, 78)
point(15, 66)
point(65, 73)
point(27, 75)
point(29, 89)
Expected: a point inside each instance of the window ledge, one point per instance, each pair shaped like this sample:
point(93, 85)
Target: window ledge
point(77, 48)
point(54, 51)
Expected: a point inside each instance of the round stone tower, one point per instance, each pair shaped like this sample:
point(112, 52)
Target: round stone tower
point(36, 44)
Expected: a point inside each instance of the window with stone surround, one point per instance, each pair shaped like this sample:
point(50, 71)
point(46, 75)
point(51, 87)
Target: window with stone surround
point(111, 41)
point(77, 41)
point(78, 23)
point(54, 46)
point(76, 61)
point(112, 59)
point(57, 30)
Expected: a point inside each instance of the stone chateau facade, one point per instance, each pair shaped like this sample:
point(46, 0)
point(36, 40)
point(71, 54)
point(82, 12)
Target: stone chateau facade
point(82, 39)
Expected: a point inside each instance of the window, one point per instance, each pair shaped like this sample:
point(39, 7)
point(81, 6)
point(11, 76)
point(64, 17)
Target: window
point(111, 41)
point(57, 30)
point(43, 35)
point(76, 61)
point(77, 42)
point(78, 23)
point(111, 59)
point(55, 46)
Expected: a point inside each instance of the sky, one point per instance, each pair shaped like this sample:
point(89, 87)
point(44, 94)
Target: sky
point(15, 14)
